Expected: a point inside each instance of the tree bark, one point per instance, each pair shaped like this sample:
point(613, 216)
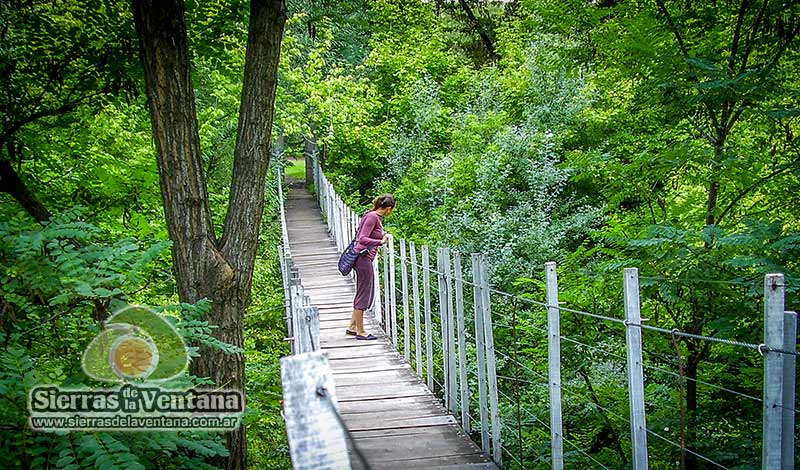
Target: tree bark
point(11, 183)
point(692, 364)
point(476, 25)
point(221, 270)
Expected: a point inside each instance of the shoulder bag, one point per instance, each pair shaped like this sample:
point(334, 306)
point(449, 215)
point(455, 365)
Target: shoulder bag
point(349, 256)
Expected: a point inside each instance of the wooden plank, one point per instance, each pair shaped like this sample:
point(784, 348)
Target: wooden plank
point(358, 365)
point(380, 391)
point(381, 377)
point(377, 422)
point(343, 341)
point(421, 443)
point(424, 402)
point(447, 462)
point(365, 352)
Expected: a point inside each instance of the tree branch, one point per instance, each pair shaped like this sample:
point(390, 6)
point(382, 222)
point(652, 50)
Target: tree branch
point(737, 34)
point(762, 180)
point(673, 27)
point(476, 25)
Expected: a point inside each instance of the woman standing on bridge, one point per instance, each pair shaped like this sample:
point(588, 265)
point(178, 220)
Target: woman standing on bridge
point(370, 237)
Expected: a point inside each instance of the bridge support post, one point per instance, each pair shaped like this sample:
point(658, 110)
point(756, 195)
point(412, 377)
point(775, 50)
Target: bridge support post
point(633, 337)
point(554, 366)
point(477, 287)
point(316, 440)
point(774, 363)
point(426, 292)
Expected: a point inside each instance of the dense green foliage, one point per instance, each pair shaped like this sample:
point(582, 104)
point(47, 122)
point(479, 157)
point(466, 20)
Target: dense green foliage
point(659, 135)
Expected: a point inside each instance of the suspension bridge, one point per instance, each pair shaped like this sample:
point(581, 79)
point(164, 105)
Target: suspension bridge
point(427, 394)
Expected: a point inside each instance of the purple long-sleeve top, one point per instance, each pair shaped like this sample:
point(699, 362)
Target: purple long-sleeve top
point(371, 234)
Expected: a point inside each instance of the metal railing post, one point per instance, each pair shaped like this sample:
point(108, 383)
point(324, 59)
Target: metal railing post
point(376, 302)
point(392, 294)
point(462, 346)
point(477, 288)
point(789, 382)
point(633, 337)
point(386, 295)
point(415, 292)
point(491, 371)
point(554, 366)
point(426, 289)
point(452, 371)
point(404, 288)
point(443, 301)
point(772, 448)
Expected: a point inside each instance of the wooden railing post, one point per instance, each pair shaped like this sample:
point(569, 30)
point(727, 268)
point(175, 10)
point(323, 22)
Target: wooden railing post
point(316, 441)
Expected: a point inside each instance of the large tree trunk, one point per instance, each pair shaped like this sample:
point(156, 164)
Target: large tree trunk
point(222, 270)
point(246, 206)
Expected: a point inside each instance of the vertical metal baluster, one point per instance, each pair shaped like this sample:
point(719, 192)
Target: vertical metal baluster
point(462, 351)
point(404, 287)
point(481, 351)
point(426, 289)
point(415, 291)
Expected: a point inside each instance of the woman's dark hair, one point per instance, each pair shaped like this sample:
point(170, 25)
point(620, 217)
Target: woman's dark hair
point(384, 200)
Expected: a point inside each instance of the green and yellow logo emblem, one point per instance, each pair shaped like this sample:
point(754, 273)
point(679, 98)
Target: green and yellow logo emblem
point(137, 344)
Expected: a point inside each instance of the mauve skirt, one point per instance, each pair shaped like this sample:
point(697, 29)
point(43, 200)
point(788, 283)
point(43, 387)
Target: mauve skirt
point(365, 283)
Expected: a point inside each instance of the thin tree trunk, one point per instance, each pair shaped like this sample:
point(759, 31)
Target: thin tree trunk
point(692, 364)
point(476, 25)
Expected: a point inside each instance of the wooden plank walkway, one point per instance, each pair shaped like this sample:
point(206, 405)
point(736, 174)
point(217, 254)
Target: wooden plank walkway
point(395, 420)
